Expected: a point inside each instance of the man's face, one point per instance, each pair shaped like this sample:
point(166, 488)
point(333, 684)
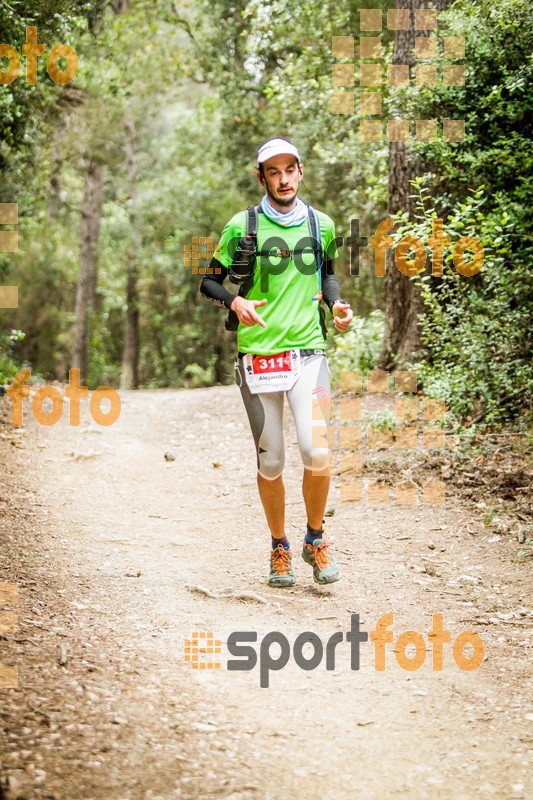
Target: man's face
point(281, 179)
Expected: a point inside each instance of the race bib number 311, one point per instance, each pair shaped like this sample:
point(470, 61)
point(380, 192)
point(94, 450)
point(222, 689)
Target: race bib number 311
point(279, 363)
point(276, 373)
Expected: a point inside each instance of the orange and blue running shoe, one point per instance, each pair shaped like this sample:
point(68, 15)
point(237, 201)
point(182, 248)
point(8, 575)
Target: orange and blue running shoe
point(325, 569)
point(281, 574)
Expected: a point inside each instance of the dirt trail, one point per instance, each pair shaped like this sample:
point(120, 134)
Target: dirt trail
point(102, 535)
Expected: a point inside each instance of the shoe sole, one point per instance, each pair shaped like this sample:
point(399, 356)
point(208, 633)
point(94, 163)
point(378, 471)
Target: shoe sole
point(333, 579)
point(277, 585)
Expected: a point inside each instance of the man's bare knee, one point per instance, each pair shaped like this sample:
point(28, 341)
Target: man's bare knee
point(261, 474)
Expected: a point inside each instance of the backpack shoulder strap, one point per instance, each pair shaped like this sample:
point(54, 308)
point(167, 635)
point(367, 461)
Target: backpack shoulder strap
point(251, 221)
point(251, 230)
point(314, 230)
point(314, 225)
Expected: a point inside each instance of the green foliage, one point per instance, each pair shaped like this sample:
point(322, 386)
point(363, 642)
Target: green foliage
point(8, 367)
point(23, 106)
point(382, 420)
point(358, 348)
point(476, 330)
point(26, 116)
point(196, 376)
point(496, 103)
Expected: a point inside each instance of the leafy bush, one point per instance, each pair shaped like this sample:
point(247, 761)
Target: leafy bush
point(358, 348)
point(8, 368)
point(476, 330)
point(382, 420)
point(196, 376)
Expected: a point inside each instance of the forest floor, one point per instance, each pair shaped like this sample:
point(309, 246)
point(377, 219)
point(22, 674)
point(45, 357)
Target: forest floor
point(103, 535)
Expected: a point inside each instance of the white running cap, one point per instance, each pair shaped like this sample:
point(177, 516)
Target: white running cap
point(276, 147)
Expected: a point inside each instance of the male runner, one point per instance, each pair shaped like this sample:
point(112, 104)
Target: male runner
point(281, 351)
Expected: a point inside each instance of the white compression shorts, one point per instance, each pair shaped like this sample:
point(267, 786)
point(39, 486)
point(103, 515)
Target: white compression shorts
point(310, 402)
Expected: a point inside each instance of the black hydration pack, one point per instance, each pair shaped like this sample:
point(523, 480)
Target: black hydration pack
point(232, 320)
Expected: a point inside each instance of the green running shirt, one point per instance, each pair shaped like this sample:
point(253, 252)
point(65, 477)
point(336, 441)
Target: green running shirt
point(290, 315)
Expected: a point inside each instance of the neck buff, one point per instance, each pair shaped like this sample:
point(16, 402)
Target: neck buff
point(290, 219)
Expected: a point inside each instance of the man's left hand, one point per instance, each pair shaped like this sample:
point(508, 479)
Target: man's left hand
point(341, 322)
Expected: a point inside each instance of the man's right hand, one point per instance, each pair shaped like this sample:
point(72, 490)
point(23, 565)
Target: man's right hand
point(245, 310)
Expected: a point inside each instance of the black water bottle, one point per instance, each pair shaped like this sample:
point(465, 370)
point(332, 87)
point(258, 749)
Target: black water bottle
point(243, 262)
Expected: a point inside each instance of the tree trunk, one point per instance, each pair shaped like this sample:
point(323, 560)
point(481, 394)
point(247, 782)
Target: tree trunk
point(55, 175)
point(130, 357)
point(129, 377)
point(402, 298)
point(120, 6)
point(91, 214)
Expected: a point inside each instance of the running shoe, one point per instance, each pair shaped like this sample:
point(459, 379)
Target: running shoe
point(281, 573)
point(325, 569)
